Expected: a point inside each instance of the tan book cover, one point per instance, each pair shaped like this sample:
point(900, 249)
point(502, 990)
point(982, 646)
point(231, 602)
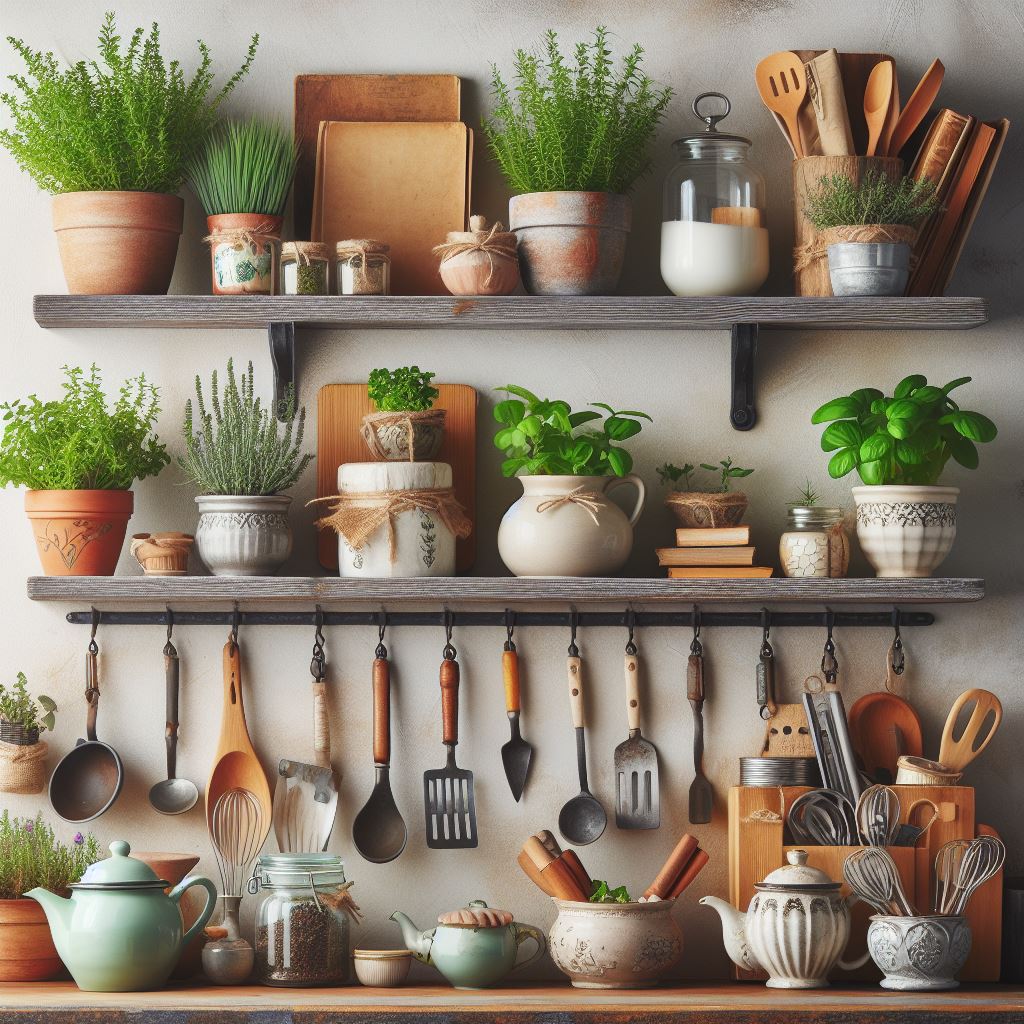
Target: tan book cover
point(705, 556)
point(752, 572)
point(712, 537)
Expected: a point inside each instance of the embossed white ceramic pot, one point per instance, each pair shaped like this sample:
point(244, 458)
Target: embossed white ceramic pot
point(919, 953)
point(243, 535)
point(905, 530)
point(615, 945)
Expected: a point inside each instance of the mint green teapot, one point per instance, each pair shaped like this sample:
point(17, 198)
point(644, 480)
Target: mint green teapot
point(119, 931)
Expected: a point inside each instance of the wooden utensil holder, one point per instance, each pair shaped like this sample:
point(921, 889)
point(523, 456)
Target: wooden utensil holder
point(812, 278)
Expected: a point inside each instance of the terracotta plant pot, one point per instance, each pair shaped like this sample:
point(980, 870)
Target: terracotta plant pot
point(481, 261)
point(173, 867)
point(696, 510)
point(404, 436)
point(118, 243)
point(79, 533)
point(163, 554)
point(570, 243)
point(27, 952)
point(244, 249)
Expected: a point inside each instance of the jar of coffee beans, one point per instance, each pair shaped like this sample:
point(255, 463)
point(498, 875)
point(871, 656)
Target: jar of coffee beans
point(303, 920)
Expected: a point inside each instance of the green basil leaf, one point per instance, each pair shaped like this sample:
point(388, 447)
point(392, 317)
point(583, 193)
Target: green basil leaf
point(509, 412)
point(736, 471)
point(619, 429)
point(908, 385)
point(866, 397)
point(605, 406)
point(959, 382)
point(974, 426)
point(512, 466)
point(901, 429)
point(582, 452)
point(531, 426)
point(965, 452)
point(503, 438)
point(877, 446)
point(577, 419)
point(514, 389)
point(841, 434)
point(620, 461)
point(928, 394)
point(903, 409)
point(908, 453)
point(872, 472)
point(837, 409)
point(843, 462)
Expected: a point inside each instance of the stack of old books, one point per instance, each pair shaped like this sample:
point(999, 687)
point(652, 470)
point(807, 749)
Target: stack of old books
point(721, 552)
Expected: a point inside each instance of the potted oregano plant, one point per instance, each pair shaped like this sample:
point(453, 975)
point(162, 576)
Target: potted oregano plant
point(868, 227)
point(22, 752)
point(567, 463)
point(406, 426)
point(242, 176)
point(571, 138)
point(241, 457)
point(78, 456)
point(899, 446)
point(110, 140)
point(31, 856)
point(711, 507)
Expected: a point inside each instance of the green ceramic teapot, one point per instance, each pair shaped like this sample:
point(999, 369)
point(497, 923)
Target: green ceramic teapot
point(119, 931)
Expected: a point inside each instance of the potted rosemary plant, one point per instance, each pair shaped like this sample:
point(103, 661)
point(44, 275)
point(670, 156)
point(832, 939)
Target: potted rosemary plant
point(899, 447)
point(242, 176)
point(710, 508)
point(79, 502)
point(406, 426)
point(110, 140)
point(241, 458)
point(571, 140)
point(22, 752)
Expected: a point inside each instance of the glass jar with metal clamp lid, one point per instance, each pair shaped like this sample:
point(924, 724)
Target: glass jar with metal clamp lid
point(815, 544)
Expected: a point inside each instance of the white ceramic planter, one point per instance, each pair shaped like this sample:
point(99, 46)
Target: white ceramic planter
point(906, 530)
point(544, 535)
point(919, 953)
point(241, 535)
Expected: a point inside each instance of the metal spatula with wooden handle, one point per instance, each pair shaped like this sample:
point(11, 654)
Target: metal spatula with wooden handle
point(782, 83)
point(637, 800)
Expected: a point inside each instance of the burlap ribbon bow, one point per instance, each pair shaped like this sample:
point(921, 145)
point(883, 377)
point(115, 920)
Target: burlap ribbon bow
point(590, 501)
point(447, 250)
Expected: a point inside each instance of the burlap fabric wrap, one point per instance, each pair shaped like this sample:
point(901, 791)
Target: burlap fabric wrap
point(238, 237)
point(699, 509)
point(340, 898)
point(423, 428)
point(356, 517)
point(490, 245)
point(23, 768)
point(817, 248)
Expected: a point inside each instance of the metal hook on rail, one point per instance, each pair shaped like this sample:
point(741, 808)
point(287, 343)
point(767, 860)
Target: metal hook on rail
point(510, 627)
point(449, 651)
point(318, 663)
point(574, 621)
point(631, 626)
point(696, 647)
point(382, 625)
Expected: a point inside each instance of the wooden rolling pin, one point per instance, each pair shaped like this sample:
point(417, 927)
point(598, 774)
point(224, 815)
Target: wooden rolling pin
point(673, 868)
point(554, 871)
point(569, 856)
point(692, 870)
point(533, 873)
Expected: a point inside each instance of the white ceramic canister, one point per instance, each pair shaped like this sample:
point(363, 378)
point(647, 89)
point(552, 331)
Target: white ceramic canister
point(423, 545)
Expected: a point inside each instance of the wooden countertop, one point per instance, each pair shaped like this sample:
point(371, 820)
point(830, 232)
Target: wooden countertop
point(723, 1003)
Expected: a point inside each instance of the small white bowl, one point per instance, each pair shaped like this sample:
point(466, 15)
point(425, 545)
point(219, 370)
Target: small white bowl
point(382, 968)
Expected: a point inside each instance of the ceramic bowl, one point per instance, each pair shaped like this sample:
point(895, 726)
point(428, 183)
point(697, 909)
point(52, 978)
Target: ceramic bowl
point(919, 953)
point(382, 968)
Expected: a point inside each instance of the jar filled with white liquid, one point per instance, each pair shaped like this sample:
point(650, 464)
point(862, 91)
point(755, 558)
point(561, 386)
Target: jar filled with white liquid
point(713, 235)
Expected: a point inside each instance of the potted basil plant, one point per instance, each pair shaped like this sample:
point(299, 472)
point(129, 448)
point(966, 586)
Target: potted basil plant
point(571, 139)
point(406, 427)
point(22, 752)
point(899, 446)
point(568, 464)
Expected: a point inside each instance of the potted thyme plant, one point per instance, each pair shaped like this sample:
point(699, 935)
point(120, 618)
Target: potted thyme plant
point(31, 856)
point(241, 458)
point(899, 446)
point(22, 752)
point(406, 426)
point(564, 524)
point(571, 140)
point(709, 508)
point(78, 457)
point(110, 140)
point(242, 176)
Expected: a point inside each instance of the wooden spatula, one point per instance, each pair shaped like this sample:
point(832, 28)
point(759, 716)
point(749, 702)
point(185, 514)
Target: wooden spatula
point(782, 83)
point(917, 107)
point(877, 101)
point(956, 752)
point(892, 116)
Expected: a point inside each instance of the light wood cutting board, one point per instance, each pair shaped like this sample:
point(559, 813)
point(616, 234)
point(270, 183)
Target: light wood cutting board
point(340, 409)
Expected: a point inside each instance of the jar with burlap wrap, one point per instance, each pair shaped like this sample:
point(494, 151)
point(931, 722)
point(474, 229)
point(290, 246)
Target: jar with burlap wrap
point(243, 252)
point(305, 268)
point(23, 767)
point(363, 267)
point(409, 435)
point(695, 510)
point(481, 261)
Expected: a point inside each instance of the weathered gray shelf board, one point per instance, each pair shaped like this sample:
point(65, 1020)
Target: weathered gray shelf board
point(463, 590)
point(656, 312)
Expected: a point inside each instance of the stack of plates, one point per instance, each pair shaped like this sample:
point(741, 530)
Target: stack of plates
point(779, 771)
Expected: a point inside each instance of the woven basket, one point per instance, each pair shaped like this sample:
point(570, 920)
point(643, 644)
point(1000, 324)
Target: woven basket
point(701, 510)
point(23, 767)
point(404, 436)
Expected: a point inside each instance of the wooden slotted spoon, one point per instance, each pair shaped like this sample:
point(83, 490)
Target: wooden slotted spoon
point(782, 83)
point(877, 103)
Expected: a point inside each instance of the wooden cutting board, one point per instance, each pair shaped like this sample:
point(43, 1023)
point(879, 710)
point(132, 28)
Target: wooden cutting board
point(340, 409)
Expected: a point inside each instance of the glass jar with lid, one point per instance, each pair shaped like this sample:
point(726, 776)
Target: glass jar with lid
point(305, 268)
point(815, 543)
point(303, 920)
point(713, 235)
point(364, 267)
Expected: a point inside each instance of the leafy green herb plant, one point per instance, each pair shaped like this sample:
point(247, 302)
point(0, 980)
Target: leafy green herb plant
point(244, 167)
point(672, 475)
point(236, 446)
point(602, 893)
point(676, 477)
point(78, 442)
point(905, 439)
point(31, 856)
point(808, 497)
point(129, 121)
point(17, 707)
point(574, 126)
point(407, 389)
point(541, 436)
point(839, 202)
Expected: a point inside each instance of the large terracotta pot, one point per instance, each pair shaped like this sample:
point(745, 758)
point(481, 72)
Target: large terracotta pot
point(244, 252)
point(173, 867)
point(570, 243)
point(118, 243)
point(79, 533)
point(27, 952)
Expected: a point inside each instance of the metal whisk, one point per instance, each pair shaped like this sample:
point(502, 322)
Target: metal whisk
point(872, 874)
point(962, 866)
point(238, 830)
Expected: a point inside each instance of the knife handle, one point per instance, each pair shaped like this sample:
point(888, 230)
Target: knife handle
point(632, 669)
point(695, 680)
point(381, 711)
point(574, 667)
point(450, 701)
point(510, 674)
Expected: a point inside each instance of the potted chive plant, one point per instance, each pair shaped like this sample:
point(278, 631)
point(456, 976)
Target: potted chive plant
point(709, 508)
point(571, 139)
point(110, 140)
point(22, 752)
point(899, 446)
point(241, 457)
point(406, 426)
point(78, 456)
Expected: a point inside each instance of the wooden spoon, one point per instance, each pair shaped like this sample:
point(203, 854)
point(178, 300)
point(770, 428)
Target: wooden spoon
point(892, 116)
point(917, 107)
point(782, 83)
point(877, 101)
point(956, 752)
point(883, 728)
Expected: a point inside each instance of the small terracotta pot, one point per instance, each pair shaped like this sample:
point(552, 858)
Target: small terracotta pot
point(245, 260)
point(173, 867)
point(79, 533)
point(491, 269)
point(162, 554)
point(117, 243)
point(404, 436)
point(27, 952)
point(696, 510)
point(570, 243)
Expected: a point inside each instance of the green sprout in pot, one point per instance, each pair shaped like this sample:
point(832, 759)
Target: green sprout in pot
point(808, 497)
point(407, 389)
point(601, 892)
point(680, 478)
point(21, 715)
point(714, 505)
point(838, 201)
point(406, 427)
point(32, 856)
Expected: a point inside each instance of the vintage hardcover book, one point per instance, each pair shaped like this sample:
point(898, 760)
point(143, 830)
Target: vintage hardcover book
point(712, 537)
point(724, 572)
point(706, 556)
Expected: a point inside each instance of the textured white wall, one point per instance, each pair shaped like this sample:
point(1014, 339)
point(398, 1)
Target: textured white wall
point(681, 380)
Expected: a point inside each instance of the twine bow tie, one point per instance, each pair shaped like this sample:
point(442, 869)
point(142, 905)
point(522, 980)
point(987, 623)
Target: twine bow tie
point(590, 501)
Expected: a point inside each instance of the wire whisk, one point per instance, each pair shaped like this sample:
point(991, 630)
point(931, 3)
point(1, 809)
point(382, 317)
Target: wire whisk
point(962, 866)
point(872, 874)
point(238, 830)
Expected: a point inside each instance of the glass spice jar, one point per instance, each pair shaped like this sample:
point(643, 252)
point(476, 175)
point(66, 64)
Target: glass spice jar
point(364, 267)
point(303, 920)
point(815, 543)
point(305, 268)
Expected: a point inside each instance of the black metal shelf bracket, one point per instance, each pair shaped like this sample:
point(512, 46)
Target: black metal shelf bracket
point(743, 414)
point(282, 360)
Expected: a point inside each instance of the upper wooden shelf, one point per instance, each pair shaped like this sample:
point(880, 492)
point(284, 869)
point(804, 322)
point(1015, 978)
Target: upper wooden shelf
point(520, 312)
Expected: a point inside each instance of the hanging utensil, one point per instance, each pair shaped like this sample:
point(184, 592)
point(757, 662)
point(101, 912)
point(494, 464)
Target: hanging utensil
point(958, 751)
point(872, 874)
point(88, 778)
point(877, 103)
point(172, 795)
point(878, 816)
point(962, 866)
point(702, 796)
point(637, 800)
point(582, 819)
point(516, 752)
point(379, 831)
point(917, 107)
point(765, 670)
point(921, 815)
point(782, 83)
point(823, 817)
point(448, 796)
